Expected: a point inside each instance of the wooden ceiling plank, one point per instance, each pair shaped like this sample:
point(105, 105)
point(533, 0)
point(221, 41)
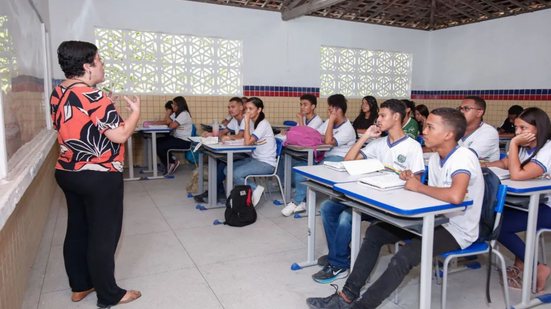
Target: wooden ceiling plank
point(307, 8)
point(446, 4)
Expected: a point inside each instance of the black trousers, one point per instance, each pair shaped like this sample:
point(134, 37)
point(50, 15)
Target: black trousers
point(94, 222)
point(409, 256)
point(169, 142)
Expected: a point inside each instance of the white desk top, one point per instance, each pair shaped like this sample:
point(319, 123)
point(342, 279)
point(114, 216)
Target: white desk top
point(226, 148)
point(400, 202)
point(323, 147)
point(527, 186)
point(326, 175)
point(146, 130)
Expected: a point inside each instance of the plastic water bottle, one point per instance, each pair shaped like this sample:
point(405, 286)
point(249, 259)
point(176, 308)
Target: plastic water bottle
point(215, 128)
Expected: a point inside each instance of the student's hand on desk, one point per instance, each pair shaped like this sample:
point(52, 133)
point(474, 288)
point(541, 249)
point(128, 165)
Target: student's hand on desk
point(205, 134)
point(412, 183)
point(523, 139)
point(225, 138)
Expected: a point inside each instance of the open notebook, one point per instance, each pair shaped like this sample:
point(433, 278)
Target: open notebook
point(357, 167)
point(383, 181)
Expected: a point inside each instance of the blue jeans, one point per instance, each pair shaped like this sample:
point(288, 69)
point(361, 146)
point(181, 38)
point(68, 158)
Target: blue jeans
point(515, 221)
point(337, 223)
point(249, 166)
point(300, 188)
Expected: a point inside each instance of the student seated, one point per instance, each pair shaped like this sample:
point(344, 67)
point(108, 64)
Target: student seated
point(421, 114)
point(453, 171)
point(367, 116)
point(181, 124)
point(396, 150)
point(166, 119)
point(480, 137)
point(508, 126)
point(529, 157)
point(263, 158)
point(410, 126)
point(338, 132)
point(232, 131)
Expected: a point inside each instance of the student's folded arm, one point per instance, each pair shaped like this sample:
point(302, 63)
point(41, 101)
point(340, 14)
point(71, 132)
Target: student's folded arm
point(455, 194)
point(173, 125)
point(529, 171)
point(354, 152)
point(503, 163)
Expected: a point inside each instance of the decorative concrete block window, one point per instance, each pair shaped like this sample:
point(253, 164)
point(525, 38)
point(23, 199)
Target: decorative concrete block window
point(160, 63)
point(357, 72)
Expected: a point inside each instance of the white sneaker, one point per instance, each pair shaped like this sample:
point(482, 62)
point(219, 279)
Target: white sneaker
point(257, 194)
point(300, 208)
point(289, 209)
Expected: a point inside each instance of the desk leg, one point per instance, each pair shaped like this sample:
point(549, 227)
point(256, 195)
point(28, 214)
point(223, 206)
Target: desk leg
point(213, 192)
point(426, 261)
point(311, 204)
point(200, 171)
point(355, 242)
point(529, 250)
point(229, 174)
point(130, 164)
point(310, 157)
point(154, 152)
point(287, 177)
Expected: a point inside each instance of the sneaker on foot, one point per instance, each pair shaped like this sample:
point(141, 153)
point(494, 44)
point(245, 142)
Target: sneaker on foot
point(289, 209)
point(323, 260)
point(329, 274)
point(300, 208)
point(334, 301)
point(257, 194)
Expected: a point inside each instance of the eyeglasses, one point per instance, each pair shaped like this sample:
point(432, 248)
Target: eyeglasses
point(466, 109)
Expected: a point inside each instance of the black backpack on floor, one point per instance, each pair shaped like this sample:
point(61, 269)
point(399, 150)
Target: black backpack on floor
point(239, 207)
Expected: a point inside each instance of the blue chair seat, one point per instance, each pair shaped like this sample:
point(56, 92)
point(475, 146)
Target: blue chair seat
point(476, 248)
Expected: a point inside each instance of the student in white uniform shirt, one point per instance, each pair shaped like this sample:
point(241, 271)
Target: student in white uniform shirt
point(337, 131)
point(453, 171)
point(307, 115)
point(263, 159)
point(396, 150)
point(480, 137)
point(529, 157)
point(181, 123)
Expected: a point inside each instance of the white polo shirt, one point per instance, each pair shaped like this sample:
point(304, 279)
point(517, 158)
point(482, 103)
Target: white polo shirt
point(484, 141)
point(235, 125)
point(242, 126)
point(404, 154)
point(542, 158)
point(314, 123)
point(345, 136)
point(183, 131)
point(463, 224)
point(265, 143)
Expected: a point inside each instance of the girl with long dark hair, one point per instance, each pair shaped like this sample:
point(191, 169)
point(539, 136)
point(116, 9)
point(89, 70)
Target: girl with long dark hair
point(368, 114)
point(529, 157)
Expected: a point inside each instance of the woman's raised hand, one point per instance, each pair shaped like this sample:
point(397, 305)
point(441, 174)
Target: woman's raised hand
point(133, 104)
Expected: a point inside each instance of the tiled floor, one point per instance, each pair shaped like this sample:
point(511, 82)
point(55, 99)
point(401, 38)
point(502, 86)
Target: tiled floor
point(179, 259)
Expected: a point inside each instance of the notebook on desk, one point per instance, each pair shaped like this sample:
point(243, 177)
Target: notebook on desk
point(356, 167)
point(383, 181)
point(500, 172)
point(337, 166)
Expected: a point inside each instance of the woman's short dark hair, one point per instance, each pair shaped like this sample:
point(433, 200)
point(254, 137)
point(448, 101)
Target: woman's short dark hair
point(515, 110)
point(423, 110)
point(72, 55)
point(181, 102)
point(453, 119)
point(236, 99)
point(409, 104)
point(337, 100)
point(396, 106)
point(168, 105)
point(538, 118)
point(310, 98)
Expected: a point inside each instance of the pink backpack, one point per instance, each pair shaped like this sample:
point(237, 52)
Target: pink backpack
point(307, 137)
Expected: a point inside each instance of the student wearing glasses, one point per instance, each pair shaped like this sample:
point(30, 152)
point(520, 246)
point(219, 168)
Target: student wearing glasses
point(480, 137)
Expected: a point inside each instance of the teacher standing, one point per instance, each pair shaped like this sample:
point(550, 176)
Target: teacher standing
point(91, 136)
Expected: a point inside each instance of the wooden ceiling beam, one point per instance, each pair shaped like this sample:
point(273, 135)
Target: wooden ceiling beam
point(373, 5)
point(382, 9)
point(453, 8)
point(307, 8)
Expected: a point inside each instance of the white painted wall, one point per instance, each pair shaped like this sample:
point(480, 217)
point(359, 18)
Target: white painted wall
point(512, 52)
point(507, 53)
point(275, 52)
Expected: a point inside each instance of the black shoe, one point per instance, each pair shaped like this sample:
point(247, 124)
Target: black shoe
point(329, 274)
point(323, 260)
point(334, 301)
point(200, 198)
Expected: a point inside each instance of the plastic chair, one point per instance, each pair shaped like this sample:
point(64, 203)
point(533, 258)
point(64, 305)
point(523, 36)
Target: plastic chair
point(279, 150)
point(183, 150)
point(477, 248)
point(290, 123)
point(541, 240)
